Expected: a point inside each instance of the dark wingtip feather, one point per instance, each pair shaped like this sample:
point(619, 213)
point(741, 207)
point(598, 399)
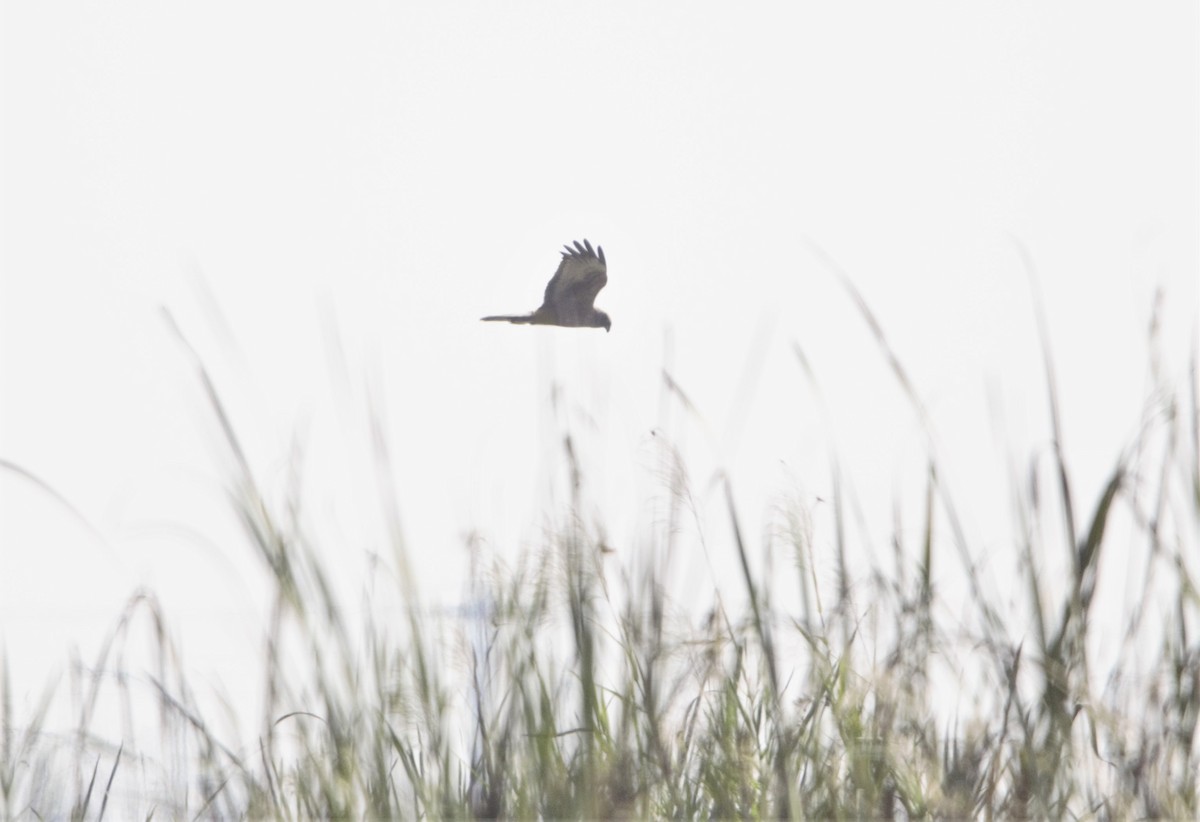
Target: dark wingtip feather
point(583, 249)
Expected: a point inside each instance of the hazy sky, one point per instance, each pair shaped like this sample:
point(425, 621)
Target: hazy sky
point(327, 198)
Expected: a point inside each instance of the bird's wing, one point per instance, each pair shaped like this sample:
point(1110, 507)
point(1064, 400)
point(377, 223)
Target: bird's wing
point(580, 276)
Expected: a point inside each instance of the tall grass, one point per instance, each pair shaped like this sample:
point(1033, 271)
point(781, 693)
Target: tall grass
point(587, 693)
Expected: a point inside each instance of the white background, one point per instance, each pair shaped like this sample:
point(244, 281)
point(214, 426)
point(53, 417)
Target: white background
point(326, 198)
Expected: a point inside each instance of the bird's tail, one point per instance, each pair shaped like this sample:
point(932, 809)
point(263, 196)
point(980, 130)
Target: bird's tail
point(509, 318)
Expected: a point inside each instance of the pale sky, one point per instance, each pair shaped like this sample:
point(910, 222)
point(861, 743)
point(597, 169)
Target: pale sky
point(284, 176)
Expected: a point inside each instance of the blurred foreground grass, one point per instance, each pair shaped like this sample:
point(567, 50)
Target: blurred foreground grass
point(581, 699)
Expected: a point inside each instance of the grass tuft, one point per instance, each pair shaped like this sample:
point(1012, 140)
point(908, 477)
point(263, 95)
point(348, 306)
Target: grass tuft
point(573, 686)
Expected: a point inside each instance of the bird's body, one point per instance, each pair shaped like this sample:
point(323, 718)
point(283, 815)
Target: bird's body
point(571, 292)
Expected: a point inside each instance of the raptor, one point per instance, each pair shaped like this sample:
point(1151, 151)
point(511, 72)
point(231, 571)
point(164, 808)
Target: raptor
point(571, 292)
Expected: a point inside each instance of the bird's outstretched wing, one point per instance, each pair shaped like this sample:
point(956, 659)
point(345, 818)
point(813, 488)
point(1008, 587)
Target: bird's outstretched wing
point(572, 290)
point(571, 293)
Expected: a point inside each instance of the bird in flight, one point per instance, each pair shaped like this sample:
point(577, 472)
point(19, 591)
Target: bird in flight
point(571, 292)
